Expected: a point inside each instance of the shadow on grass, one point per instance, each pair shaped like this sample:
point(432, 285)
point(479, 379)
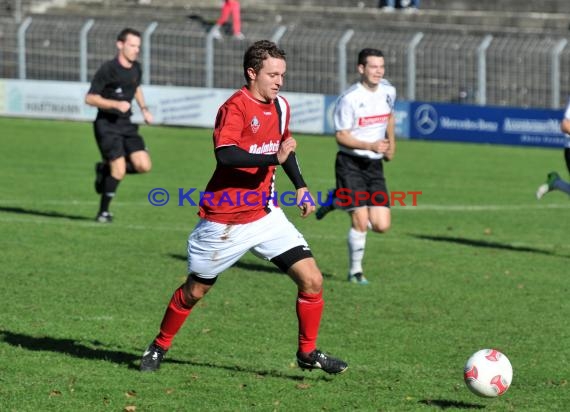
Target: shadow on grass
point(177, 256)
point(486, 244)
point(23, 211)
point(90, 350)
point(447, 404)
point(95, 350)
point(251, 267)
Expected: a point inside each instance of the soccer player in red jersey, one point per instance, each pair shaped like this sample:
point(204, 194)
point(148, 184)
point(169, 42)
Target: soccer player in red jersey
point(251, 138)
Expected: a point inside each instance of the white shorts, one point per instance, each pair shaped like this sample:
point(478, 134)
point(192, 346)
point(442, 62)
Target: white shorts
point(214, 247)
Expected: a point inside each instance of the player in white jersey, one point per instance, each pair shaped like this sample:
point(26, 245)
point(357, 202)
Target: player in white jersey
point(364, 123)
point(553, 180)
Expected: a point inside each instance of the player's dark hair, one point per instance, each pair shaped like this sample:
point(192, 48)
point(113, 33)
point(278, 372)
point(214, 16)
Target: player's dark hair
point(257, 53)
point(122, 36)
point(365, 53)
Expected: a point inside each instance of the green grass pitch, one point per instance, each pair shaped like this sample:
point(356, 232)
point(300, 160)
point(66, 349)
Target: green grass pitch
point(478, 263)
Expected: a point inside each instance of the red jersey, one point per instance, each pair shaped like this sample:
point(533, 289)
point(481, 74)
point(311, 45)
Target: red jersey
point(237, 195)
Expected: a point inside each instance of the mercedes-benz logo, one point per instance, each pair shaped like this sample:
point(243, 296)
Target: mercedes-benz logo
point(426, 119)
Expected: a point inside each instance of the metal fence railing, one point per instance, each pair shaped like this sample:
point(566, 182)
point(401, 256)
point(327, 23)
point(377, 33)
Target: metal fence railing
point(505, 70)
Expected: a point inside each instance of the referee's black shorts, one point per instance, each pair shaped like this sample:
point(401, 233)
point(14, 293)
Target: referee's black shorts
point(117, 137)
point(360, 182)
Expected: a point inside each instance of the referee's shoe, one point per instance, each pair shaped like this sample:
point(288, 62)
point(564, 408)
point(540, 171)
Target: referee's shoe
point(104, 217)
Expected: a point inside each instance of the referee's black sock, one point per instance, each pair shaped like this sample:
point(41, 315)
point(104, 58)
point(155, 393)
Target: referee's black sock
point(105, 168)
point(131, 168)
point(109, 188)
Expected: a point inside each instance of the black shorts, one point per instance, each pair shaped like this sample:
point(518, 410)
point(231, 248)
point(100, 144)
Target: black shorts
point(117, 137)
point(567, 158)
point(360, 182)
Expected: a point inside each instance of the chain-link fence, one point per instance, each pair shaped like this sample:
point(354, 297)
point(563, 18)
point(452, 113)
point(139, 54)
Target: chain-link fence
point(505, 70)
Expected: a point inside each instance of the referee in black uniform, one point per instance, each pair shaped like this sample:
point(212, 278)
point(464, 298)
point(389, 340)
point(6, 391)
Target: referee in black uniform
point(122, 148)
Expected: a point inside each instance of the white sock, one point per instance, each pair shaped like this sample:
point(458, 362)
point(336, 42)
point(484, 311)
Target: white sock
point(562, 185)
point(356, 245)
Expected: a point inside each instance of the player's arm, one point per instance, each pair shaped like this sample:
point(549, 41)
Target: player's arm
point(233, 156)
point(565, 125)
point(94, 96)
point(391, 136)
point(139, 97)
point(346, 139)
point(293, 171)
point(98, 101)
point(344, 121)
point(305, 200)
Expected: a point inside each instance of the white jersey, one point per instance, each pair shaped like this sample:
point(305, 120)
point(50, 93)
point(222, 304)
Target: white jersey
point(365, 113)
point(567, 116)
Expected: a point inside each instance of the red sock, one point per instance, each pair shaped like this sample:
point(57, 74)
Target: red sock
point(309, 312)
point(174, 317)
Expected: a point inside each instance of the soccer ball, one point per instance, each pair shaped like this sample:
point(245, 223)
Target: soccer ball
point(488, 373)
